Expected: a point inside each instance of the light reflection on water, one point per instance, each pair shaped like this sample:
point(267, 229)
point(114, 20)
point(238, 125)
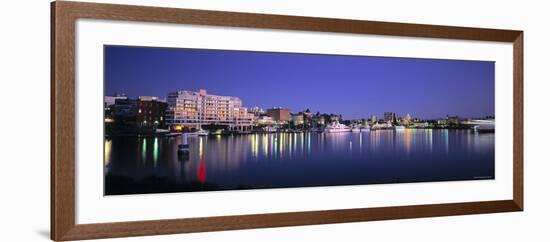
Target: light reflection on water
point(298, 159)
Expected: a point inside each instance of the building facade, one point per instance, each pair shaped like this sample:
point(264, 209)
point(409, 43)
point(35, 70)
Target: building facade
point(110, 100)
point(257, 111)
point(407, 121)
point(150, 111)
point(190, 109)
point(449, 121)
point(374, 119)
point(109, 103)
point(298, 119)
point(390, 116)
point(319, 120)
point(279, 114)
point(124, 110)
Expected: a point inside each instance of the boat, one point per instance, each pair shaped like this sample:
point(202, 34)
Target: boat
point(336, 127)
point(399, 128)
point(355, 129)
point(202, 132)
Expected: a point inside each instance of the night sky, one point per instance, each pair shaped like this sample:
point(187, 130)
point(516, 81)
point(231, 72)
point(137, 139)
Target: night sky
point(354, 86)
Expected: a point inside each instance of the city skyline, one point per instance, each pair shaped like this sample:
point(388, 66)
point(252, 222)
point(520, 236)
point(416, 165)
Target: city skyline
point(302, 81)
point(264, 109)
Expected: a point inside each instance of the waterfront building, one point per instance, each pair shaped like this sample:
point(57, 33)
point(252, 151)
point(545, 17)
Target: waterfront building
point(121, 117)
point(390, 116)
point(374, 119)
point(257, 111)
point(279, 114)
point(319, 120)
point(356, 121)
point(449, 120)
point(124, 109)
point(453, 120)
point(335, 118)
point(298, 119)
point(190, 109)
point(110, 100)
point(407, 120)
point(150, 111)
point(308, 114)
point(308, 118)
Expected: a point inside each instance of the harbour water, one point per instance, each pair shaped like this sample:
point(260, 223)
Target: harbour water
point(137, 165)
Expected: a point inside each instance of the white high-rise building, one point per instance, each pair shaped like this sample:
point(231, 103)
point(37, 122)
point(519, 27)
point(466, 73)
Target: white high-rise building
point(193, 109)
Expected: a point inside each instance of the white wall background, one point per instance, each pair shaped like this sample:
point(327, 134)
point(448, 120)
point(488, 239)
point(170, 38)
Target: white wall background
point(24, 139)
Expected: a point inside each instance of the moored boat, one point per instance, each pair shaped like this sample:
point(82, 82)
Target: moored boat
point(336, 127)
point(202, 132)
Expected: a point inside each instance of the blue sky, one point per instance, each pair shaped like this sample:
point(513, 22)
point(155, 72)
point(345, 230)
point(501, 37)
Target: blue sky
point(354, 86)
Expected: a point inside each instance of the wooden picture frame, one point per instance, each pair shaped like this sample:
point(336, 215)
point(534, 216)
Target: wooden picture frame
point(63, 18)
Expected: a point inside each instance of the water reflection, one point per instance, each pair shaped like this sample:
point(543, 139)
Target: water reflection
point(144, 151)
point(107, 152)
point(143, 165)
point(429, 135)
point(155, 151)
point(446, 135)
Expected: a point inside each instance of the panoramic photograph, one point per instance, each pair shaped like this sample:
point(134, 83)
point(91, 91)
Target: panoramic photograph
point(191, 120)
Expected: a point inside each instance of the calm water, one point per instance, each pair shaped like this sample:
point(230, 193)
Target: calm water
point(151, 165)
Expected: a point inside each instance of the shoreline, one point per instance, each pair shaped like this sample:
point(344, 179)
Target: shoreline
point(281, 132)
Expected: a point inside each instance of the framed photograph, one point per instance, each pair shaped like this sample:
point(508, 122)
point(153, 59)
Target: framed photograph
point(174, 120)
